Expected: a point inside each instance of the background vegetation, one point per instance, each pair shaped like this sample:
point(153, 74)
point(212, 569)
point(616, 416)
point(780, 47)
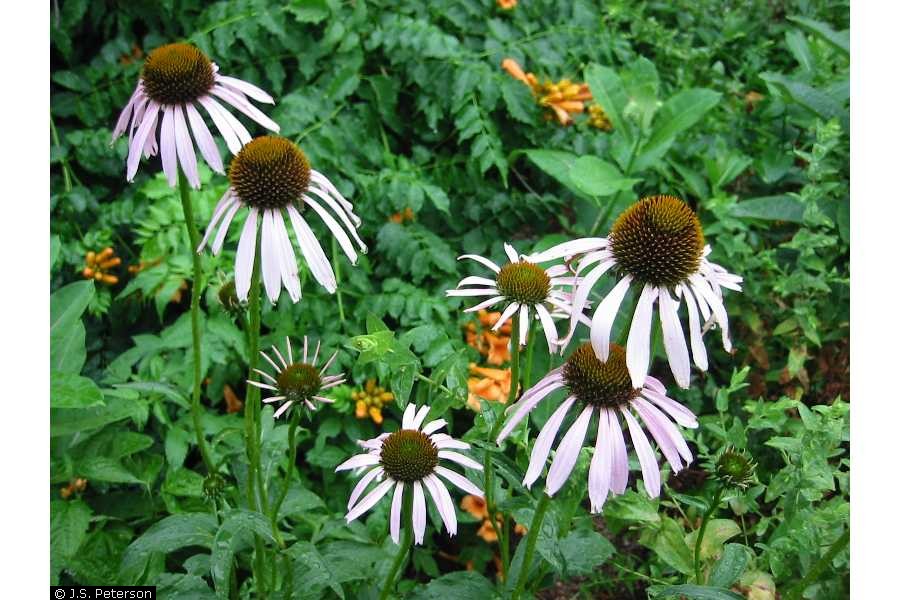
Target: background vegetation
point(741, 108)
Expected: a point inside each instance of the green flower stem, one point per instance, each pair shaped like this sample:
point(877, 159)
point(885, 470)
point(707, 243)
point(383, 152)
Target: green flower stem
point(709, 512)
point(604, 214)
point(405, 544)
point(530, 543)
point(196, 290)
point(292, 453)
point(820, 567)
point(251, 418)
point(489, 499)
point(335, 260)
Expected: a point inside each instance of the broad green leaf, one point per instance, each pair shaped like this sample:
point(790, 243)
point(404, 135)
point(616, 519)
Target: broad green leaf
point(73, 391)
point(309, 11)
point(104, 468)
point(167, 535)
point(68, 303)
point(67, 351)
point(69, 522)
point(299, 501)
point(597, 177)
point(55, 247)
point(813, 99)
point(632, 506)
point(583, 551)
point(838, 39)
point(693, 592)
point(678, 114)
point(729, 568)
point(459, 585)
point(609, 91)
point(668, 541)
point(718, 531)
point(557, 164)
point(770, 208)
point(65, 421)
point(236, 533)
point(314, 571)
point(149, 388)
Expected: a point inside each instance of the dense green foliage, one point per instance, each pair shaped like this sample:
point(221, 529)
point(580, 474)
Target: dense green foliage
point(740, 108)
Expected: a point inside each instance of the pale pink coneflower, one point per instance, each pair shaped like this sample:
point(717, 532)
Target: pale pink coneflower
point(604, 389)
point(524, 288)
point(272, 178)
point(175, 80)
point(656, 245)
point(408, 461)
point(297, 382)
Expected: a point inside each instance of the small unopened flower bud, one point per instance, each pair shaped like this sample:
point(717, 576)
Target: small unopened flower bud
point(735, 468)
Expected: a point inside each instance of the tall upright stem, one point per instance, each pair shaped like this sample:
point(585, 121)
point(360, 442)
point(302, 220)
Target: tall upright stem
point(534, 531)
point(405, 543)
point(820, 567)
point(251, 417)
point(335, 261)
point(709, 512)
point(529, 355)
point(292, 453)
point(489, 499)
point(196, 289)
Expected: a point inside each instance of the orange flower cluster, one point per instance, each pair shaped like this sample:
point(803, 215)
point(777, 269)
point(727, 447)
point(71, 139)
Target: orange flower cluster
point(135, 269)
point(477, 507)
point(97, 265)
point(370, 400)
point(488, 384)
point(233, 404)
point(507, 4)
point(76, 486)
point(563, 98)
point(403, 216)
point(495, 346)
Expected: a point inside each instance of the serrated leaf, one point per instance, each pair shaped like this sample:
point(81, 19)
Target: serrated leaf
point(729, 568)
point(68, 527)
point(167, 535)
point(237, 531)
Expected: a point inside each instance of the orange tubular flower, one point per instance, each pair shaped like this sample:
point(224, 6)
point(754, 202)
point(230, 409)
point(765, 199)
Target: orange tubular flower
point(493, 345)
point(97, 265)
point(493, 384)
point(233, 404)
point(507, 4)
point(403, 216)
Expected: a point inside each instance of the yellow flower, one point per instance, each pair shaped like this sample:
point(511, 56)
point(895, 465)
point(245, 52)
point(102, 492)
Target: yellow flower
point(598, 118)
point(97, 266)
point(370, 400)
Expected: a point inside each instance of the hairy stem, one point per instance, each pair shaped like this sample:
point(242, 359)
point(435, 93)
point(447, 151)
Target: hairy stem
point(709, 512)
point(335, 261)
point(405, 544)
point(530, 544)
point(196, 289)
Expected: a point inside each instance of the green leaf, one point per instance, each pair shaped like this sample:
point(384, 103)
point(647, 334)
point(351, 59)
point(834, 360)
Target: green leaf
point(597, 177)
point(167, 535)
point(519, 101)
point(67, 351)
point(838, 39)
point(813, 99)
point(103, 468)
point(67, 304)
point(69, 522)
point(73, 391)
point(718, 531)
point(459, 585)
point(309, 11)
point(584, 550)
point(66, 421)
point(693, 592)
point(313, 570)
point(55, 247)
point(668, 541)
point(770, 208)
point(729, 568)
point(557, 164)
point(679, 113)
point(609, 91)
point(236, 533)
point(632, 506)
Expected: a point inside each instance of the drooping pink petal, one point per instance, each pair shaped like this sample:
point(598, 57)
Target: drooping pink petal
point(459, 481)
point(637, 353)
point(579, 300)
point(507, 313)
point(334, 227)
point(528, 401)
point(168, 149)
point(144, 131)
point(418, 512)
point(549, 326)
point(487, 303)
point(362, 484)
point(600, 471)
point(122, 121)
point(204, 138)
point(544, 442)
point(290, 275)
point(660, 434)
point(369, 501)
point(224, 204)
point(242, 104)
point(480, 259)
point(567, 452)
point(246, 252)
point(409, 414)
point(223, 227)
point(673, 339)
point(396, 510)
point(620, 455)
point(359, 460)
point(186, 156)
point(434, 490)
point(698, 349)
point(222, 124)
point(247, 88)
point(602, 322)
point(680, 413)
point(433, 426)
point(342, 214)
point(271, 257)
point(570, 248)
point(667, 426)
point(646, 455)
point(511, 253)
point(459, 459)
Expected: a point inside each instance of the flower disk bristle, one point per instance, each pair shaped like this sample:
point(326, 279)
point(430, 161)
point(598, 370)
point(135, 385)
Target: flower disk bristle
point(177, 73)
point(408, 455)
point(299, 382)
point(599, 383)
point(735, 468)
point(658, 240)
point(523, 282)
point(270, 173)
